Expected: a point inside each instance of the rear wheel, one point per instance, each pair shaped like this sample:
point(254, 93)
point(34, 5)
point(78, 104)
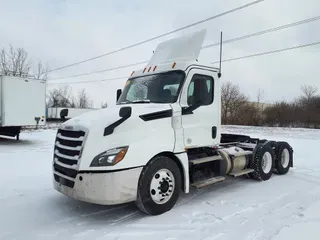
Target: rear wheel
point(159, 186)
point(283, 158)
point(262, 162)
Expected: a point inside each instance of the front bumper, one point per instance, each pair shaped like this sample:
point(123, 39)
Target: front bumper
point(101, 188)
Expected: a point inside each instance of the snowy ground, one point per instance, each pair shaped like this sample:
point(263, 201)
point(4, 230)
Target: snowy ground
point(285, 207)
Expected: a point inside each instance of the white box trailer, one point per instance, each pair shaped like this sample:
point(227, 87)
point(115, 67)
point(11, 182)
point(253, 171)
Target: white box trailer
point(22, 103)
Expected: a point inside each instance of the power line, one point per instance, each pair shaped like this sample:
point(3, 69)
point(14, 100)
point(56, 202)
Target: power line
point(92, 81)
point(101, 71)
point(206, 46)
point(159, 36)
point(255, 34)
point(269, 52)
point(226, 60)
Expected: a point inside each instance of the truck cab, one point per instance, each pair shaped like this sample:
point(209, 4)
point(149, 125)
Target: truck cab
point(146, 147)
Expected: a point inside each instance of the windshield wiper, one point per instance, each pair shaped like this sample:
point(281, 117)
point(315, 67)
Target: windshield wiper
point(125, 102)
point(141, 101)
point(135, 101)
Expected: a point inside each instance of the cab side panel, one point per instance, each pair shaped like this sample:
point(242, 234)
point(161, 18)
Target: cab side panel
point(200, 101)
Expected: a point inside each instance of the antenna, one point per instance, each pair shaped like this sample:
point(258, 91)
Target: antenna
point(219, 73)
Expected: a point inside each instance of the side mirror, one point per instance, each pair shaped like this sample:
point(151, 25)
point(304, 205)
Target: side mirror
point(125, 112)
point(119, 91)
point(64, 113)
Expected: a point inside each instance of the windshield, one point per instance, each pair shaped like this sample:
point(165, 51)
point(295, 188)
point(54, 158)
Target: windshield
point(157, 88)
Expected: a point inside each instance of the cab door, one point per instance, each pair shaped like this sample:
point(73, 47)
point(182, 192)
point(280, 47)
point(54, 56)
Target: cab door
point(200, 109)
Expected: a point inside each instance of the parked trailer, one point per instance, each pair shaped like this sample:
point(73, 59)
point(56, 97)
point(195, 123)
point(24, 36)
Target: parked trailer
point(22, 103)
point(162, 136)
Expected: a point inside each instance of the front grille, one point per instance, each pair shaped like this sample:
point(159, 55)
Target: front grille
point(70, 143)
point(68, 146)
point(71, 134)
point(67, 153)
point(66, 161)
point(72, 173)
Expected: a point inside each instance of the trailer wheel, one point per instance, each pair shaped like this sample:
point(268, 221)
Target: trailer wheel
point(284, 156)
point(159, 186)
point(262, 162)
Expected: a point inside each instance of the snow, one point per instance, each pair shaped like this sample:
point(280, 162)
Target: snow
point(285, 207)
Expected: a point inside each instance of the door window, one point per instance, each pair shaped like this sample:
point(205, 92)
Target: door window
point(200, 90)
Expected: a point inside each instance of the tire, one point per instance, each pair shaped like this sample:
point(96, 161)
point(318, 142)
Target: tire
point(150, 191)
point(262, 162)
point(283, 158)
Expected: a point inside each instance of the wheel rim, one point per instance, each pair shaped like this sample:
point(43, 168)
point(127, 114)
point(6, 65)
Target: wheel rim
point(162, 186)
point(285, 158)
point(266, 162)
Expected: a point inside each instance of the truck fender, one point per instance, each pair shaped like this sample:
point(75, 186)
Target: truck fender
point(181, 159)
point(183, 162)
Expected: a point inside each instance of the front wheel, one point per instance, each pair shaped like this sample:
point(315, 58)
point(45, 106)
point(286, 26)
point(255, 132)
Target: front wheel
point(159, 186)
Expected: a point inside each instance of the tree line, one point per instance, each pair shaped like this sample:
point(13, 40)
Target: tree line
point(62, 97)
point(237, 109)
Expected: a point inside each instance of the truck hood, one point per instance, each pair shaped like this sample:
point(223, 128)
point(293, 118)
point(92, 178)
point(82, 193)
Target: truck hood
point(107, 116)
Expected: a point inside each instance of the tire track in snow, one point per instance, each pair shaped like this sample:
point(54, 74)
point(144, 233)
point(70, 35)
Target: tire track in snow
point(190, 227)
point(268, 209)
point(186, 199)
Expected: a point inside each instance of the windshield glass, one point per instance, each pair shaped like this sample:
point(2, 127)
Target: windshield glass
point(157, 88)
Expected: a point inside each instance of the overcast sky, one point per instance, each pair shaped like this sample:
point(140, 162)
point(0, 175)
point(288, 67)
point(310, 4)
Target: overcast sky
point(61, 32)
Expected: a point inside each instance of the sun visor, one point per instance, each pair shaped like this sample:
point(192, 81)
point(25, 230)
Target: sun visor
point(185, 48)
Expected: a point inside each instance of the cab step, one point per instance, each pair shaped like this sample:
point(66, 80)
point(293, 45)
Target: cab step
point(205, 159)
point(207, 182)
point(243, 172)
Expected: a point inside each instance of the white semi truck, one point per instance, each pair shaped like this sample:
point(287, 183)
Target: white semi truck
point(162, 136)
point(22, 103)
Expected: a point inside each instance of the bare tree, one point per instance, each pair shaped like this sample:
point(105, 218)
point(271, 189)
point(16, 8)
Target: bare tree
point(4, 67)
point(41, 71)
point(232, 101)
point(309, 92)
point(59, 97)
point(14, 62)
point(257, 108)
point(83, 100)
point(62, 97)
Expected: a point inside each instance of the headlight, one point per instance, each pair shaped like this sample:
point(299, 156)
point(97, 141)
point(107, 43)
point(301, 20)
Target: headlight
point(110, 157)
